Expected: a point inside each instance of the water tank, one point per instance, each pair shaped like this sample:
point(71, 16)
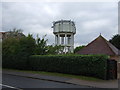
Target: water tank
point(64, 26)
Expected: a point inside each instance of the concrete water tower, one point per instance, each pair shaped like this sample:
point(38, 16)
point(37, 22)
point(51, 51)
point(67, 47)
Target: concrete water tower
point(64, 31)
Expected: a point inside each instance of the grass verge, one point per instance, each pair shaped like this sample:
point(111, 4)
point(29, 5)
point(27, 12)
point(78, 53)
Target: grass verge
point(60, 75)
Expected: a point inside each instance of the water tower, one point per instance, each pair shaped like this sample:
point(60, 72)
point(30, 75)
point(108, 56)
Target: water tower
point(64, 31)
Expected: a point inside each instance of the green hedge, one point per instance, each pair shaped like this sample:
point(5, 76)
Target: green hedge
point(89, 65)
point(15, 63)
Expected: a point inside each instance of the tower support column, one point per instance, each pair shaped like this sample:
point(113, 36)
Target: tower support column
point(58, 39)
point(65, 42)
point(62, 40)
point(72, 43)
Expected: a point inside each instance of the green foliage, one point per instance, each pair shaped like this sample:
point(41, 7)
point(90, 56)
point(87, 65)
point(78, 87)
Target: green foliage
point(9, 47)
point(89, 65)
point(116, 41)
point(54, 49)
point(16, 51)
point(27, 45)
point(78, 48)
point(41, 46)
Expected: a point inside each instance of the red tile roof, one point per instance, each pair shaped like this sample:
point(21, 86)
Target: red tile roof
point(99, 46)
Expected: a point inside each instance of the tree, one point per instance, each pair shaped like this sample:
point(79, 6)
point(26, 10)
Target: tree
point(78, 48)
point(54, 49)
point(10, 45)
point(115, 40)
point(9, 48)
point(15, 49)
point(26, 46)
point(15, 33)
point(10, 52)
point(41, 46)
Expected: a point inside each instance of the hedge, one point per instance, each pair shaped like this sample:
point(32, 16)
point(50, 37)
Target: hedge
point(87, 65)
point(15, 63)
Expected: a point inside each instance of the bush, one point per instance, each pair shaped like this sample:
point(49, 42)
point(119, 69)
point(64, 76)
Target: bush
point(89, 65)
point(15, 52)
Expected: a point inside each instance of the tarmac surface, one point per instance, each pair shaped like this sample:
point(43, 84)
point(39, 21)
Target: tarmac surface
point(25, 82)
point(71, 81)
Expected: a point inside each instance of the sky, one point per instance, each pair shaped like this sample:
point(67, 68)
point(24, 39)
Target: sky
point(91, 18)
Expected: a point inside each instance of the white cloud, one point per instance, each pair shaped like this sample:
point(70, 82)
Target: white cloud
point(91, 18)
point(95, 24)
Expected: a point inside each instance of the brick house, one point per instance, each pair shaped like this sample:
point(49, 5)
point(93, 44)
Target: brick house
point(101, 46)
point(4, 35)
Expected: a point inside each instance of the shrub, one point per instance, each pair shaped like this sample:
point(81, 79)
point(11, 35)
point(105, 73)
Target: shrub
point(15, 52)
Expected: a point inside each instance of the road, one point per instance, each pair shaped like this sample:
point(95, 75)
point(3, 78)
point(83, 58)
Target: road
point(17, 82)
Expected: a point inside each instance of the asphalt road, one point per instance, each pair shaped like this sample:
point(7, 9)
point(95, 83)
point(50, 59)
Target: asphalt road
point(18, 82)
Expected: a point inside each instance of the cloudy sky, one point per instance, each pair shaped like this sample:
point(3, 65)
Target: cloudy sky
point(91, 18)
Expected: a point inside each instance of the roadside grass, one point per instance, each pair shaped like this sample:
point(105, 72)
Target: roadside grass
point(60, 74)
